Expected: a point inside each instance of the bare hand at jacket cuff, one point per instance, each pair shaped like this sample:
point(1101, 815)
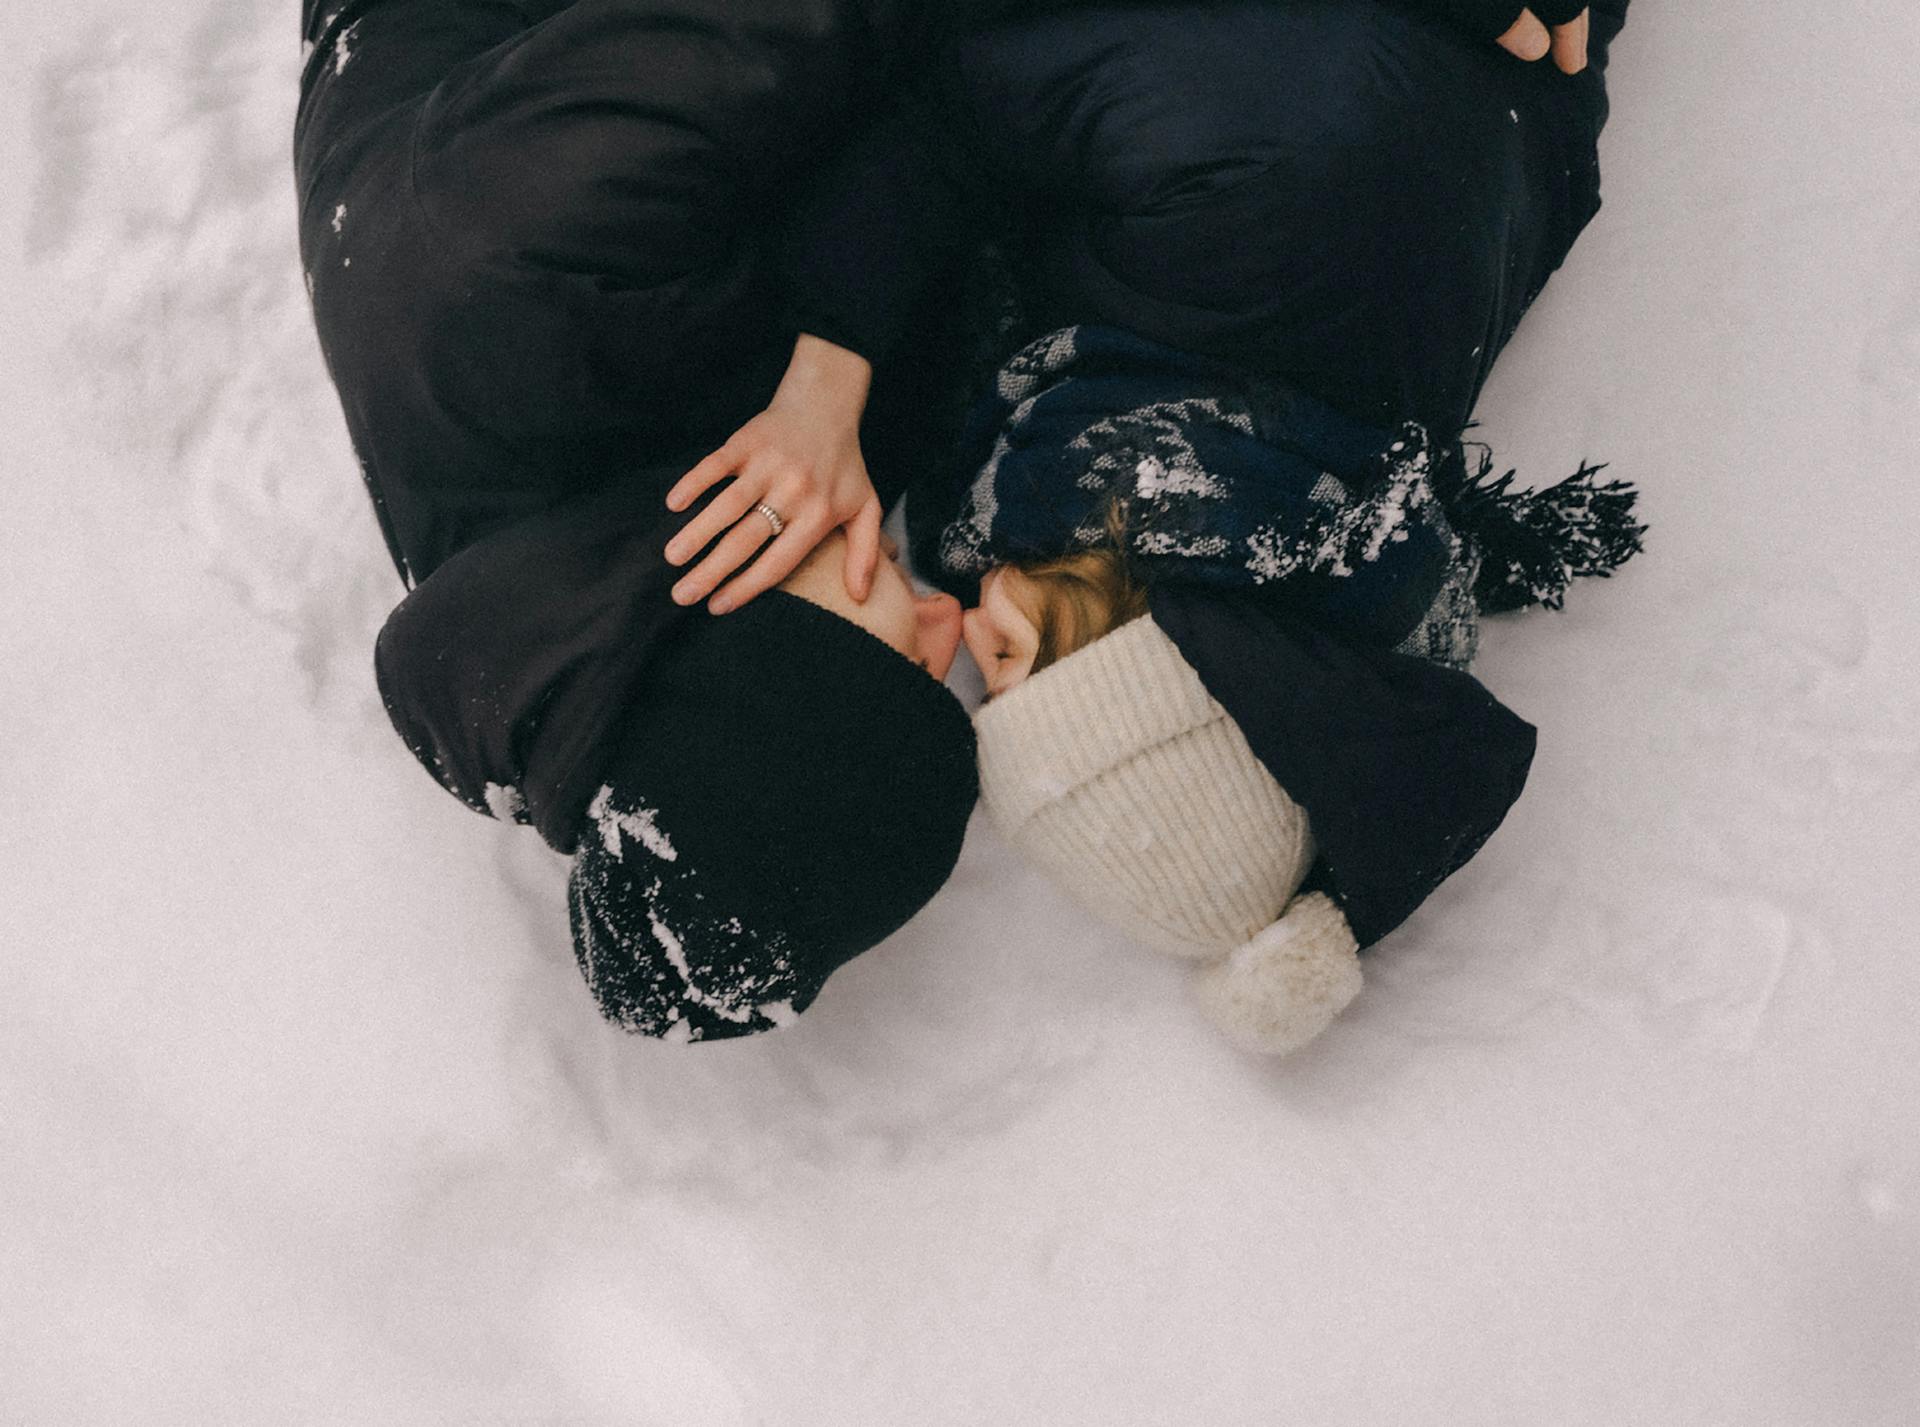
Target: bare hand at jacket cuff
point(797, 475)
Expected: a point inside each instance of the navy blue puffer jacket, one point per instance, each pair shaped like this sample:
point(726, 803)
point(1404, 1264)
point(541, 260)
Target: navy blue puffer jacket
point(1356, 196)
point(1343, 193)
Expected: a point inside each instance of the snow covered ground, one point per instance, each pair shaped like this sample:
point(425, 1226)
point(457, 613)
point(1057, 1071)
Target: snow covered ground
point(308, 1119)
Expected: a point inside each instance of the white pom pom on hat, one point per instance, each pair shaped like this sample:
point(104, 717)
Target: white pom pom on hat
point(1284, 987)
point(1121, 777)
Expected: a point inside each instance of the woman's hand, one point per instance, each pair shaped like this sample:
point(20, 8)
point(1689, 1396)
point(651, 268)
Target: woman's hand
point(801, 458)
point(1530, 40)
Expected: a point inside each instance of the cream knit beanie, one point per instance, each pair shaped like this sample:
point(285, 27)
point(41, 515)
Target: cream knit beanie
point(1120, 776)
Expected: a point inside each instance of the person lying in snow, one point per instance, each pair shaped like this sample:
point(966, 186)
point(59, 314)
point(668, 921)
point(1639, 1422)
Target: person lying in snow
point(533, 236)
point(1228, 588)
point(1252, 627)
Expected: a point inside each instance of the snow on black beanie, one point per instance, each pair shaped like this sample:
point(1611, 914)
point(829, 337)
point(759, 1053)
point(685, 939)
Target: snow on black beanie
point(787, 791)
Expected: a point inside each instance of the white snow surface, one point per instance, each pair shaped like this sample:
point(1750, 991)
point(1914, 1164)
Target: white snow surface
point(308, 1118)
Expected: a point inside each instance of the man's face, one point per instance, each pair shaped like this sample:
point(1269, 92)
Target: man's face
point(924, 628)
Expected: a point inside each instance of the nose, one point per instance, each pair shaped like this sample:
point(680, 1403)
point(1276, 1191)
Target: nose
point(979, 639)
point(939, 631)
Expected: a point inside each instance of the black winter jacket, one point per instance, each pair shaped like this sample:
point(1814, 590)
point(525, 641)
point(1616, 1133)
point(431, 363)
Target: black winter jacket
point(533, 231)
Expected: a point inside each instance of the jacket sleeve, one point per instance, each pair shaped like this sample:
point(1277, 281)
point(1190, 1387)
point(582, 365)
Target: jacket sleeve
point(644, 142)
point(1490, 19)
point(1405, 768)
point(871, 235)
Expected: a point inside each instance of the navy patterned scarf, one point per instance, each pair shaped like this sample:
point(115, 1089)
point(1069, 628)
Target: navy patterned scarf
point(1227, 482)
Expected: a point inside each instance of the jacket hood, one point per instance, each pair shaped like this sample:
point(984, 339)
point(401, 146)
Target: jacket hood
point(507, 670)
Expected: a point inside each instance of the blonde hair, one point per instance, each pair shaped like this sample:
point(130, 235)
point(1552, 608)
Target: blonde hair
point(1075, 599)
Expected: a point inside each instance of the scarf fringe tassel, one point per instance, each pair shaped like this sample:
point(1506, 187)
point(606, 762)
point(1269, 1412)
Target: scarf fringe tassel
point(1534, 543)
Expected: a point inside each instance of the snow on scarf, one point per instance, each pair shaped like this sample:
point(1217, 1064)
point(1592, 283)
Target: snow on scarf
point(1235, 483)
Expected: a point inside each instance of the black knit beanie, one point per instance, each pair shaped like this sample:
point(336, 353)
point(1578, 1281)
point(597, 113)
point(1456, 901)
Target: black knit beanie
point(786, 792)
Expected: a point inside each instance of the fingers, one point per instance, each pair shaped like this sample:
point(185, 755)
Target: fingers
point(739, 546)
point(863, 550)
point(1528, 38)
point(776, 562)
point(1570, 43)
point(723, 510)
point(720, 464)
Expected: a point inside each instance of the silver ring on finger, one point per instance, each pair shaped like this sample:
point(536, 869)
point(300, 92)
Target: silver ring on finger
point(773, 517)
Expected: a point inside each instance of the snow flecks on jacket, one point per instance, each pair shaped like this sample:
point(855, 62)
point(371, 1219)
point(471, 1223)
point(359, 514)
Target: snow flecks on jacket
point(640, 824)
point(505, 803)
